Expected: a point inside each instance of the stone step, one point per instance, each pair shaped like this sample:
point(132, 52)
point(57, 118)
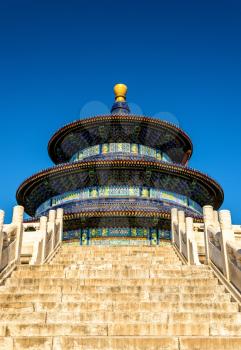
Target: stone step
point(166, 268)
point(221, 318)
point(23, 317)
point(216, 290)
point(116, 249)
point(161, 262)
point(147, 297)
point(120, 329)
point(112, 256)
point(123, 267)
point(117, 256)
point(114, 264)
point(138, 306)
point(207, 343)
point(154, 282)
point(129, 273)
point(48, 267)
point(104, 254)
point(89, 343)
point(96, 297)
point(165, 306)
point(75, 283)
point(225, 329)
point(109, 316)
point(19, 274)
point(109, 273)
point(93, 250)
point(101, 329)
point(120, 343)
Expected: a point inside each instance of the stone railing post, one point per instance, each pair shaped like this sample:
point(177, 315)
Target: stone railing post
point(52, 228)
point(174, 219)
point(17, 220)
point(189, 236)
point(1, 233)
point(216, 223)
point(59, 220)
point(181, 226)
point(208, 218)
point(43, 229)
point(227, 234)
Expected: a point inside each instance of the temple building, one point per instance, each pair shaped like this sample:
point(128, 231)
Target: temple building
point(117, 177)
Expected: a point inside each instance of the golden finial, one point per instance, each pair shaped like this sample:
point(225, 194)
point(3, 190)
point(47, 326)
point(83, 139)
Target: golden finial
point(120, 91)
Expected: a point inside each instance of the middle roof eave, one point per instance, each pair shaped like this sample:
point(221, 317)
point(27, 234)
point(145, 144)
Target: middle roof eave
point(68, 177)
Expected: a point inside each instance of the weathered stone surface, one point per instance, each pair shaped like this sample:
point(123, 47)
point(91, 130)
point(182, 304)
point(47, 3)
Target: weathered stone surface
point(116, 298)
point(8, 298)
point(157, 329)
point(19, 318)
point(210, 343)
point(17, 306)
point(33, 343)
point(116, 343)
point(6, 343)
point(28, 330)
point(227, 328)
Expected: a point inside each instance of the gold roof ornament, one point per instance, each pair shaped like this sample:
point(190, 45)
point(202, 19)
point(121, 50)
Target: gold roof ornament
point(120, 91)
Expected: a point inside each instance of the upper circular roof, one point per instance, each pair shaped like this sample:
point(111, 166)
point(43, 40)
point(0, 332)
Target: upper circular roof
point(120, 128)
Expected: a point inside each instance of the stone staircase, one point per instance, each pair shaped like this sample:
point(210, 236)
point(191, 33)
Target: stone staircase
point(125, 298)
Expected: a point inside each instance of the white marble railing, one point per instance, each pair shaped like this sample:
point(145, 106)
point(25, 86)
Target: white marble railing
point(42, 238)
point(183, 236)
point(223, 250)
point(10, 241)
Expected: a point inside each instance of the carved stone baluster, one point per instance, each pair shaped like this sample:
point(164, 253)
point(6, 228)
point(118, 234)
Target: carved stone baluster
point(59, 220)
point(52, 228)
point(174, 220)
point(189, 236)
point(181, 227)
point(208, 218)
point(17, 220)
point(43, 229)
point(227, 234)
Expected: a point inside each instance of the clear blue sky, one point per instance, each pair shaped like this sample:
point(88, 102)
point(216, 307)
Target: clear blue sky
point(180, 57)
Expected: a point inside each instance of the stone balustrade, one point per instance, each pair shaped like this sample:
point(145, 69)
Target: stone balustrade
point(42, 238)
point(39, 240)
point(183, 237)
point(223, 250)
point(10, 241)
